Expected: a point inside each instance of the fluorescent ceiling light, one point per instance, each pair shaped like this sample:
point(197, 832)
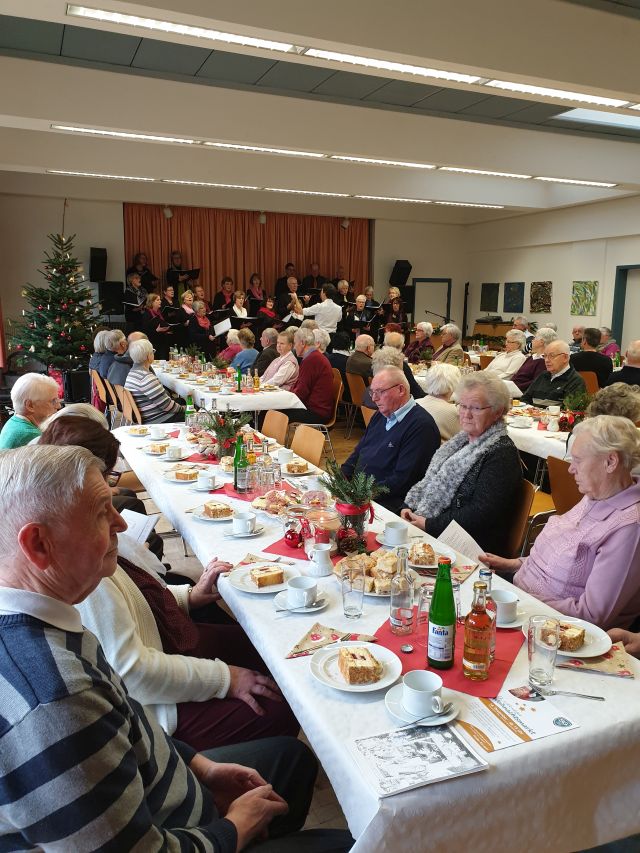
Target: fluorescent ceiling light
point(98, 175)
point(602, 118)
point(482, 172)
point(376, 162)
point(577, 183)
point(397, 67)
point(170, 27)
point(470, 204)
point(261, 149)
point(560, 94)
point(209, 184)
point(306, 192)
point(120, 134)
point(394, 198)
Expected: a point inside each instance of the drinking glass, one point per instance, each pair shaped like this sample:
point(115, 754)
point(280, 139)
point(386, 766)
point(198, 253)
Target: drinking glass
point(544, 640)
point(422, 615)
point(277, 475)
point(455, 585)
point(253, 480)
point(266, 480)
point(352, 592)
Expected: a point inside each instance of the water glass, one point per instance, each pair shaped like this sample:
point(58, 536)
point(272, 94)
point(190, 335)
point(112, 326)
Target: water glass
point(455, 585)
point(253, 480)
point(422, 615)
point(277, 475)
point(543, 639)
point(352, 592)
point(266, 480)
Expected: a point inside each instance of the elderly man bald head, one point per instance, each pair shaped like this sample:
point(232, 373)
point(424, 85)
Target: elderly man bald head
point(359, 362)
point(558, 380)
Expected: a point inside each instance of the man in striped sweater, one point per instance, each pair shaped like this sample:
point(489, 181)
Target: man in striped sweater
point(82, 767)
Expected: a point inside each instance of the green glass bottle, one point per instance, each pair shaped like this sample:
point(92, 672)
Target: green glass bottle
point(239, 379)
point(442, 620)
point(189, 409)
point(240, 466)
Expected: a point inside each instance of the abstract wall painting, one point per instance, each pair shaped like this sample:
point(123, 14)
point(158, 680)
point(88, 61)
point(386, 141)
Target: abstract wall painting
point(584, 298)
point(540, 297)
point(489, 296)
point(513, 299)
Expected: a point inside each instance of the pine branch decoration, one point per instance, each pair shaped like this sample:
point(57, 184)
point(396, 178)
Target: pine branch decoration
point(360, 490)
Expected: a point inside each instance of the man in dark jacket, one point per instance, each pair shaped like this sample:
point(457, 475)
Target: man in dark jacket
point(630, 373)
point(269, 353)
point(558, 380)
point(122, 363)
point(590, 359)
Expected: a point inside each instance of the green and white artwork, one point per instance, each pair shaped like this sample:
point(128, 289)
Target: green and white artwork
point(584, 298)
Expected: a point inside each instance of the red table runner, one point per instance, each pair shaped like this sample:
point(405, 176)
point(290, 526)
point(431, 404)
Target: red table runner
point(231, 492)
point(206, 460)
point(280, 547)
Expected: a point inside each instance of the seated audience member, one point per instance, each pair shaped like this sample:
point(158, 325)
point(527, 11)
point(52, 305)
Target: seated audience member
point(224, 297)
point(534, 365)
point(314, 385)
point(233, 346)
point(521, 323)
point(440, 383)
point(575, 344)
point(134, 298)
point(618, 399)
point(359, 362)
point(34, 397)
point(269, 353)
point(116, 344)
point(630, 372)
point(559, 378)
point(200, 331)
point(506, 363)
point(199, 296)
point(586, 563)
point(399, 441)
point(474, 478)
point(419, 349)
point(590, 359)
point(326, 313)
point(140, 267)
point(307, 324)
point(323, 339)
point(122, 364)
point(99, 349)
point(245, 359)
point(396, 340)
point(238, 304)
point(450, 350)
point(281, 283)
point(114, 779)
point(155, 405)
point(155, 326)
point(283, 370)
point(313, 281)
point(608, 345)
point(549, 325)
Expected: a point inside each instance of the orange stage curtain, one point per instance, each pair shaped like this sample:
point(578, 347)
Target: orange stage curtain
point(3, 349)
point(233, 243)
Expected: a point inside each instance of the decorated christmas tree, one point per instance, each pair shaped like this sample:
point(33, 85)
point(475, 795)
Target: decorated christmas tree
point(58, 327)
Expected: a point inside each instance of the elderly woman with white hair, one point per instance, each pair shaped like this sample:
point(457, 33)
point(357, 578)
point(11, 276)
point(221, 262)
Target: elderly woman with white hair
point(475, 477)
point(418, 349)
point(233, 346)
point(506, 363)
point(115, 343)
point(155, 405)
point(99, 349)
point(586, 563)
point(440, 383)
point(323, 339)
point(534, 365)
point(34, 398)
point(395, 340)
point(450, 350)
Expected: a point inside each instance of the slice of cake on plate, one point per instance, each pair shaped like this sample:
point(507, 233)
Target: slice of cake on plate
point(358, 665)
point(216, 509)
point(188, 474)
point(267, 575)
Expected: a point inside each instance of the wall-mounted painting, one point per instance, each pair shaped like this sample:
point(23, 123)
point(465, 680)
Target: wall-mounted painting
point(513, 298)
point(584, 298)
point(489, 296)
point(540, 297)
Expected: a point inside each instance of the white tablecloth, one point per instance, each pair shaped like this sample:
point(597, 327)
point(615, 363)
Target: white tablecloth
point(562, 793)
point(259, 402)
point(539, 442)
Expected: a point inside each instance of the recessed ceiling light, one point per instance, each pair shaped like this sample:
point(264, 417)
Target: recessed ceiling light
point(482, 172)
point(306, 192)
point(261, 149)
point(98, 175)
point(209, 184)
point(601, 117)
point(179, 29)
point(470, 204)
point(395, 198)
point(375, 162)
point(120, 134)
point(560, 94)
point(577, 183)
point(397, 67)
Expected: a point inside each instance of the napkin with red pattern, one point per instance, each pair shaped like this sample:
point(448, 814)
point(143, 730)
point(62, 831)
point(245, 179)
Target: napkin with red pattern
point(319, 636)
point(614, 662)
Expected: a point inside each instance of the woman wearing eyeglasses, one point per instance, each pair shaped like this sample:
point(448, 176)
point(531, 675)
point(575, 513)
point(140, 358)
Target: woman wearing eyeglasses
point(475, 477)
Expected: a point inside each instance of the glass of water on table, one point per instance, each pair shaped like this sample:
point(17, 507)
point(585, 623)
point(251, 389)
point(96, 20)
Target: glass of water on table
point(352, 581)
point(544, 640)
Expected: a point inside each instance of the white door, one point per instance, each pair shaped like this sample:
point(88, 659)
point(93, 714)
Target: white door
point(430, 296)
point(631, 310)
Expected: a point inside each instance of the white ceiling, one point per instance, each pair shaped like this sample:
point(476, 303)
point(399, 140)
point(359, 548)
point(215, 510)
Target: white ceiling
point(546, 42)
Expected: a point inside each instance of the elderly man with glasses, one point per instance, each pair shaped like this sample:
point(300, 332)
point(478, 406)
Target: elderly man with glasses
point(399, 441)
point(558, 380)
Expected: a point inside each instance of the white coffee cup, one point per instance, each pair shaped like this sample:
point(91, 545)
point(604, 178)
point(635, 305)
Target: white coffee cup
point(301, 592)
point(553, 410)
point(421, 693)
point(206, 480)
point(285, 455)
point(395, 533)
point(174, 451)
point(506, 604)
point(157, 431)
point(244, 522)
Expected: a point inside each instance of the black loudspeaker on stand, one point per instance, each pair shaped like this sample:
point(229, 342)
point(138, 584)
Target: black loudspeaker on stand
point(110, 295)
point(400, 273)
point(77, 385)
point(97, 264)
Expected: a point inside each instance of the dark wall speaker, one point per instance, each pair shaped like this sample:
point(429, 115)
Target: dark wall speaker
point(400, 273)
point(110, 295)
point(97, 264)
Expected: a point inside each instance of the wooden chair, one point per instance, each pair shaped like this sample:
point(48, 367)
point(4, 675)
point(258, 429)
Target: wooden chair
point(114, 403)
point(308, 443)
point(590, 380)
point(130, 410)
point(564, 490)
point(367, 414)
point(466, 360)
point(357, 387)
point(275, 425)
point(337, 397)
point(485, 361)
point(101, 392)
point(520, 521)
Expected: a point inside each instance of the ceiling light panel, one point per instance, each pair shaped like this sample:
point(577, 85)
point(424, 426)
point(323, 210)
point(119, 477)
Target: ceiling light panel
point(394, 198)
point(375, 162)
point(575, 182)
point(482, 172)
point(470, 204)
point(157, 25)
point(209, 184)
point(395, 67)
point(120, 134)
point(99, 175)
point(261, 149)
point(306, 192)
point(560, 94)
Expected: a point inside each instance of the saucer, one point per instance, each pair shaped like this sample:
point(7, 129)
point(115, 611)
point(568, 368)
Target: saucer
point(280, 601)
point(207, 488)
point(253, 533)
point(393, 702)
point(518, 622)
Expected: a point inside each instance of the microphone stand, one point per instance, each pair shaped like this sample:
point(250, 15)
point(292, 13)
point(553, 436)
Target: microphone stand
point(442, 316)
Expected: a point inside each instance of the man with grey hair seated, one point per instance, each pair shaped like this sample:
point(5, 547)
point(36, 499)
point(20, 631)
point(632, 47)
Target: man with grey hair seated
point(155, 405)
point(34, 398)
point(314, 385)
point(82, 765)
point(506, 363)
point(115, 344)
point(450, 350)
point(359, 362)
point(630, 373)
point(558, 380)
point(122, 364)
point(521, 323)
point(399, 441)
point(534, 364)
point(268, 341)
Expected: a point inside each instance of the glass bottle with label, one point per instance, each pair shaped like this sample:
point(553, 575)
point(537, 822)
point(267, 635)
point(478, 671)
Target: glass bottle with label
point(442, 620)
point(238, 380)
point(240, 466)
point(486, 575)
point(256, 381)
point(477, 637)
point(189, 409)
point(402, 592)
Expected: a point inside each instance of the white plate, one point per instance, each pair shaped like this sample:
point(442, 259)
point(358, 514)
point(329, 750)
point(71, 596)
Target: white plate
point(518, 622)
point(240, 579)
point(257, 532)
point(393, 702)
point(414, 574)
point(205, 489)
point(310, 472)
point(517, 423)
point(438, 547)
point(596, 641)
point(324, 668)
point(199, 514)
point(280, 601)
point(170, 477)
point(132, 431)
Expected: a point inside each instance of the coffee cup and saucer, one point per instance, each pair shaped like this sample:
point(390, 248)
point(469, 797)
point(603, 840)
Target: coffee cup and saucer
point(421, 697)
point(395, 533)
point(301, 596)
point(507, 613)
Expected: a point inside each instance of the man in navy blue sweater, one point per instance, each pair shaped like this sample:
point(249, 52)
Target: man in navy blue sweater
point(399, 442)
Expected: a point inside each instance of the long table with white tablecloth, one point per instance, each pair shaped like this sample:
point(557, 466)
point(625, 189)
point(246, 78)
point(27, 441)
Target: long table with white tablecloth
point(561, 793)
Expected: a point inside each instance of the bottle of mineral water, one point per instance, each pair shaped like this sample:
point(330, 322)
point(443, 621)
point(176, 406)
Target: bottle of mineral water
point(486, 575)
point(402, 589)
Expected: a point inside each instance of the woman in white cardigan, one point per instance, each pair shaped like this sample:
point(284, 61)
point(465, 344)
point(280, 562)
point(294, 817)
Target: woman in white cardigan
point(506, 363)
